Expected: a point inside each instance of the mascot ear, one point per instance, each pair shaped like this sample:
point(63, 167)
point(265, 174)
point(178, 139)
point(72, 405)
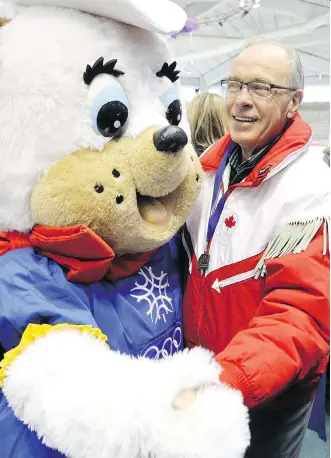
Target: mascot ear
point(7, 11)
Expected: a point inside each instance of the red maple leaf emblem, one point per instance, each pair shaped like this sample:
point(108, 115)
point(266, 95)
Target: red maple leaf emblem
point(230, 222)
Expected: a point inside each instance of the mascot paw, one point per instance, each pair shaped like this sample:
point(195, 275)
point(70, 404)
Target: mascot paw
point(199, 417)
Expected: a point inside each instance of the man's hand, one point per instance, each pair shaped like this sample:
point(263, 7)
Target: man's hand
point(184, 399)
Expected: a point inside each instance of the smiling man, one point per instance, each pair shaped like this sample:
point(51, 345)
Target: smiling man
point(258, 286)
point(264, 91)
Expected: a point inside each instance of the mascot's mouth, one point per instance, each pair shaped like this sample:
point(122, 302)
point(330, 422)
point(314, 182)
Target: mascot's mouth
point(154, 210)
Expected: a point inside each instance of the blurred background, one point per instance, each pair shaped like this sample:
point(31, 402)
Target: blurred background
point(219, 30)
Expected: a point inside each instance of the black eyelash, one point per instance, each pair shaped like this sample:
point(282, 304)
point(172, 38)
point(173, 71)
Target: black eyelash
point(98, 68)
point(169, 71)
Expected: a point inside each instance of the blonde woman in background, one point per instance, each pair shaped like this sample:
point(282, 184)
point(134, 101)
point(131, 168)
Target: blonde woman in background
point(207, 120)
point(326, 154)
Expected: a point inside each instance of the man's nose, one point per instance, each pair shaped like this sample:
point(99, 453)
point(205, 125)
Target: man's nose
point(244, 97)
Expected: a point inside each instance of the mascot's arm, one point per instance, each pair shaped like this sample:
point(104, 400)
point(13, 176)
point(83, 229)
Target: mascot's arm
point(87, 401)
point(60, 378)
point(190, 414)
point(66, 385)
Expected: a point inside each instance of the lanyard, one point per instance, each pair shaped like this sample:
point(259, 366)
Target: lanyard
point(215, 214)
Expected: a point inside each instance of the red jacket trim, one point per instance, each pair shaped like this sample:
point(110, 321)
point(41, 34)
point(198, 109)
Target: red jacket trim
point(294, 138)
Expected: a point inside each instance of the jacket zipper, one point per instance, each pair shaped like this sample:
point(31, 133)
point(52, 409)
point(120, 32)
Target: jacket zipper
point(236, 278)
point(202, 303)
point(202, 295)
point(186, 248)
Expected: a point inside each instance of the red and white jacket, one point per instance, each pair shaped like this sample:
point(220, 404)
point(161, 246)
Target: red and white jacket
point(263, 304)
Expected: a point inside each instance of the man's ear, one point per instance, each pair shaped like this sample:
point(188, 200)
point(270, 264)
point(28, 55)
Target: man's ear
point(295, 103)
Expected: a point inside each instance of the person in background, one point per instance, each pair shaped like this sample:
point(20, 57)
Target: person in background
point(326, 154)
point(207, 120)
point(258, 288)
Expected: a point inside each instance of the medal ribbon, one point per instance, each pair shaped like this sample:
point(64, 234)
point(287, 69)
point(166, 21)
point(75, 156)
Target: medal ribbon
point(215, 213)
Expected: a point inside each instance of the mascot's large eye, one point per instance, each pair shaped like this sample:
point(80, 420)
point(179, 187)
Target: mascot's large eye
point(173, 106)
point(109, 106)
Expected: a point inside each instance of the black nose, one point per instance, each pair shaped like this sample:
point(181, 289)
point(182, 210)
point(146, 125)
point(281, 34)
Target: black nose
point(170, 139)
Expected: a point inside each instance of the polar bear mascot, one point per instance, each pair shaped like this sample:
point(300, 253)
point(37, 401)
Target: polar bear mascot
point(97, 177)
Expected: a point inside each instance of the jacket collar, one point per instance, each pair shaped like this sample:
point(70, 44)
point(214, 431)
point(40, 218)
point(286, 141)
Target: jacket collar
point(294, 140)
point(85, 257)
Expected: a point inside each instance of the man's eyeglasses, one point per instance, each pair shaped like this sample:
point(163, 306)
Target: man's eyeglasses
point(254, 88)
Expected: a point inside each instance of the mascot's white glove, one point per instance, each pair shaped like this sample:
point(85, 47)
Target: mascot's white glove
point(211, 422)
point(88, 401)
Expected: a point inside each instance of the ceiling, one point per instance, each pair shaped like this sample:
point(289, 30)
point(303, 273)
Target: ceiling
point(205, 55)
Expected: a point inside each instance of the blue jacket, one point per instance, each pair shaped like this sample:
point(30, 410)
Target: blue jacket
point(140, 315)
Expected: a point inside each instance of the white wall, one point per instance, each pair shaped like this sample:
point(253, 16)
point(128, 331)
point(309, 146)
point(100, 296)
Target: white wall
point(317, 115)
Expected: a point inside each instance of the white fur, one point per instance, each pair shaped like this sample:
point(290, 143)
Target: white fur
point(7, 9)
point(44, 110)
point(215, 426)
point(161, 16)
point(87, 401)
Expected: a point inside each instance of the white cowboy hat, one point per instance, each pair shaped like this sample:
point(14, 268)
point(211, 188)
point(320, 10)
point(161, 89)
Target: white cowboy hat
point(162, 16)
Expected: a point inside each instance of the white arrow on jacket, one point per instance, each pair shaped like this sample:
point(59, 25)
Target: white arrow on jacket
point(218, 284)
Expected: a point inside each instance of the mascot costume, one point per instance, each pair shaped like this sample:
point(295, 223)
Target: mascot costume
point(96, 178)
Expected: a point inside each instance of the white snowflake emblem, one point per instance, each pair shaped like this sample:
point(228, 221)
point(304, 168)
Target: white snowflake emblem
point(154, 292)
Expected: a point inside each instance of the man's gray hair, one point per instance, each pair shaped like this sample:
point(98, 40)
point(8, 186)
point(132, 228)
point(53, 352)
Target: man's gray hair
point(297, 80)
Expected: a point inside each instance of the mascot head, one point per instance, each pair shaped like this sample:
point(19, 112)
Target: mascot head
point(91, 120)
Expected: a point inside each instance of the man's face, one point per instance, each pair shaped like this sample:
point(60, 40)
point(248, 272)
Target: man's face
point(256, 120)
